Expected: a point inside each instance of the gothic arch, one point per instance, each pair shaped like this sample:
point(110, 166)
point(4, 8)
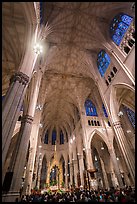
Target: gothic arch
point(102, 136)
point(114, 104)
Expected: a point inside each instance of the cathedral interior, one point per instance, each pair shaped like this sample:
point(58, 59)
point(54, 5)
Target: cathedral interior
point(68, 96)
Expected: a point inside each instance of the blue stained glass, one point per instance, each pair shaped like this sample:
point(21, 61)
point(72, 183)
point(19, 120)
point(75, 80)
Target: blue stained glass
point(103, 62)
point(103, 59)
point(119, 32)
point(131, 116)
point(122, 26)
point(90, 108)
point(105, 112)
point(126, 19)
point(101, 71)
point(116, 39)
point(53, 137)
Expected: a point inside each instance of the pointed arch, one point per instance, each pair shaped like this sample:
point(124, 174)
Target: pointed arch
point(102, 136)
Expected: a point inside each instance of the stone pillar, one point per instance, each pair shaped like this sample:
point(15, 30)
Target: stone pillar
point(81, 165)
point(110, 179)
point(89, 159)
point(11, 108)
point(32, 154)
point(71, 173)
point(19, 157)
point(38, 173)
point(21, 152)
point(125, 149)
point(116, 168)
point(104, 174)
point(75, 164)
point(48, 173)
point(66, 176)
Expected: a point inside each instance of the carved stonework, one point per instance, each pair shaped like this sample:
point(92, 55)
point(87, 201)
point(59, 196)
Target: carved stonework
point(21, 77)
point(27, 119)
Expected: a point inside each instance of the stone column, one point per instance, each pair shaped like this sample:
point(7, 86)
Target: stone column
point(75, 164)
point(71, 173)
point(38, 173)
point(89, 159)
point(19, 159)
point(125, 149)
point(32, 154)
point(104, 174)
point(66, 176)
point(109, 179)
point(81, 165)
point(11, 108)
point(116, 168)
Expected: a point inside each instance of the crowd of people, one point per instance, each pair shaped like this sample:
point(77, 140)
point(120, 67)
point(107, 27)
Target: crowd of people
point(126, 194)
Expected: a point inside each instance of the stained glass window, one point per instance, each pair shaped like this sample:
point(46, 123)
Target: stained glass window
point(105, 112)
point(46, 138)
point(119, 26)
point(61, 138)
point(90, 108)
point(131, 116)
point(103, 62)
point(53, 137)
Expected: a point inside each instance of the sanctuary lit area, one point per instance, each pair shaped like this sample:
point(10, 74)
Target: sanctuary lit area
point(68, 97)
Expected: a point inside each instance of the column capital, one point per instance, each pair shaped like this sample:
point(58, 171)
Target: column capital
point(21, 77)
point(27, 119)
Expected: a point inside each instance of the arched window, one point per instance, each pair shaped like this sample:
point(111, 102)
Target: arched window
point(119, 26)
point(53, 137)
point(46, 138)
point(103, 62)
point(61, 137)
point(90, 108)
point(104, 110)
point(131, 116)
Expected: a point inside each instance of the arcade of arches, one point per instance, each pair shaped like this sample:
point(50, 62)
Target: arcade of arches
point(68, 101)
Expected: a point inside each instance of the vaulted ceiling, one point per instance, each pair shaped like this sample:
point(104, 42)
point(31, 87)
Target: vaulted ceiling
point(78, 31)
